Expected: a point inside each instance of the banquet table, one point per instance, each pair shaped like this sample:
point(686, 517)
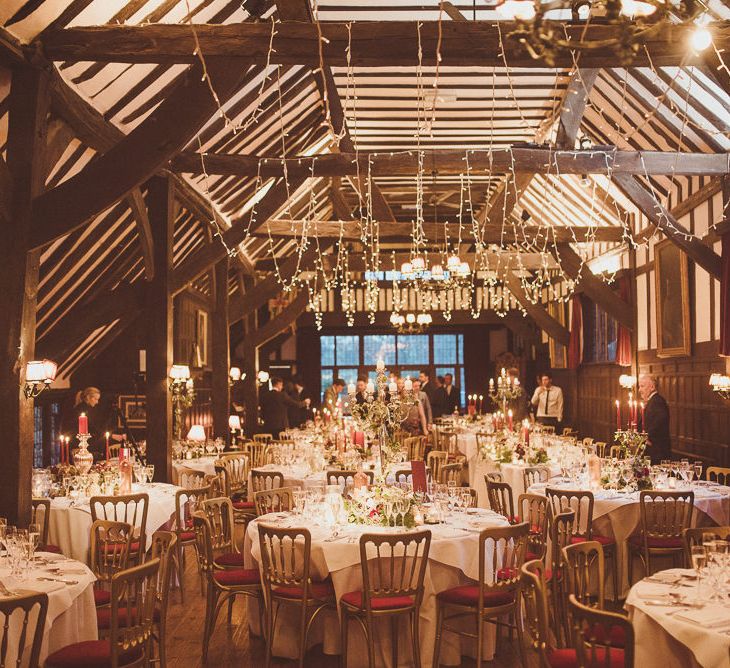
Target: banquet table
point(70, 520)
point(71, 613)
point(453, 560)
point(618, 515)
point(203, 464)
point(294, 476)
point(668, 634)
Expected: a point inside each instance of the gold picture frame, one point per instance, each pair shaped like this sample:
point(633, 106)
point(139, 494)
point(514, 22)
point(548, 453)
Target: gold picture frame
point(671, 292)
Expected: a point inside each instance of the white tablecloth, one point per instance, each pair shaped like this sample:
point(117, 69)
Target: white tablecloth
point(619, 515)
point(453, 560)
point(664, 639)
point(294, 476)
point(202, 464)
point(71, 613)
point(70, 524)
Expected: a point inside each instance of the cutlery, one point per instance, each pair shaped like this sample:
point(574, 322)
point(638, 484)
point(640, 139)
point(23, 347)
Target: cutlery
point(66, 582)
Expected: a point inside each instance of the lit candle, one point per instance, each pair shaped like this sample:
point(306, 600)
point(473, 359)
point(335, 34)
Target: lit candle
point(491, 384)
point(60, 449)
point(481, 403)
point(509, 418)
point(106, 436)
point(370, 387)
point(392, 388)
point(83, 423)
point(526, 431)
point(642, 416)
point(408, 385)
point(67, 458)
point(618, 415)
point(380, 365)
point(499, 381)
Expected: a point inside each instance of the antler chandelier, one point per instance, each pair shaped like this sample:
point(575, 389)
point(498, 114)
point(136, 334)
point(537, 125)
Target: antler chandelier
point(618, 25)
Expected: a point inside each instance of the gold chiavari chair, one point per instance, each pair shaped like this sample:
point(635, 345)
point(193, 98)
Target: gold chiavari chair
point(261, 480)
point(534, 474)
point(495, 595)
point(129, 508)
point(500, 498)
point(263, 438)
point(450, 473)
point(415, 446)
point(600, 447)
point(595, 634)
point(534, 509)
point(664, 517)
point(617, 452)
point(190, 478)
point(275, 500)
point(29, 610)
point(718, 474)
point(584, 570)
point(537, 643)
point(435, 460)
point(223, 585)
point(393, 570)
point(569, 431)
point(110, 545)
point(186, 501)
point(287, 581)
point(561, 533)
point(133, 602)
point(233, 470)
point(164, 544)
point(114, 449)
point(40, 515)
point(342, 476)
point(219, 513)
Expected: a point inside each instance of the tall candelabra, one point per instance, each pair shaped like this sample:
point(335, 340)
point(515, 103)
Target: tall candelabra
point(505, 389)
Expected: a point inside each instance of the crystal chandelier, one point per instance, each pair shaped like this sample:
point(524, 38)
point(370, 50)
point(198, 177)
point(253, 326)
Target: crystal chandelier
point(621, 26)
point(410, 323)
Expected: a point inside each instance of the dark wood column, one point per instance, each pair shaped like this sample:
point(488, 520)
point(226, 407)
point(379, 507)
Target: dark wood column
point(221, 352)
point(250, 385)
point(28, 105)
point(159, 314)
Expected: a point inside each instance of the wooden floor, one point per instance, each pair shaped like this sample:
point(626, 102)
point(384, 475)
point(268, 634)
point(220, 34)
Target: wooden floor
point(233, 646)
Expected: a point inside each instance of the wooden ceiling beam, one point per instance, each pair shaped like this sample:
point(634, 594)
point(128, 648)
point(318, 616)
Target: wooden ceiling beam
point(531, 160)
point(280, 322)
point(373, 43)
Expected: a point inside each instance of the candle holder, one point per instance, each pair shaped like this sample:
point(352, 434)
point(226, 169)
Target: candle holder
point(506, 389)
point(83, 459)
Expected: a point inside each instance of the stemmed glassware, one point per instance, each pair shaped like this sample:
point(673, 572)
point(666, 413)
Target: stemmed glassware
point(698, 470)
point(698, 554)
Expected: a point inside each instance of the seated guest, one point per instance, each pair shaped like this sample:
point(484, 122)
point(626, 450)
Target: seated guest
point(548, 402)
point(656, 420)
point(274, 408)
point(415, 421)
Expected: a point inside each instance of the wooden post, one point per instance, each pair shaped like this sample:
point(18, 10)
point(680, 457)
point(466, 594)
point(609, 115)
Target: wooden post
point(28, 106)
point(250, 387)
point(221, 352)
point(161, 209)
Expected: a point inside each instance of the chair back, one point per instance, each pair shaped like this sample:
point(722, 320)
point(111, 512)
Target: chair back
point(190, 478)
point(665, 514)
point(285, 559)
point(28, 614)
point(494, 476)
point(186, 501)
point(561, 532)
point(501, 556)
point(393, 565)
point(569, 431)
point(275, 500)
point(163, 548)
point(129, 508)
point(585, 569)
point(110, 548)
point(342, 476)
point(617, 452)
point(600, 448)
point(40, 514)
point(114, 449)
point(204, 545)
point(261, 480)
point(219, 513)
point(593, 632)
point(534, 474)
point(718, 474)
point(134, 597)
point(233, 469)
point(536, 637)
point(263, 438)
point(435, 460)
point(500, 498)
point(215, 483)
point(406, 475)
point(415, 446)
point(693, 536)
point(533, 509)
point(580, 501)
point(447, 440)
point(450, 473)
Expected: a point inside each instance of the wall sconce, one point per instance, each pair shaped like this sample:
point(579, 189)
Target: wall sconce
point(235, 374)
point(39, 374)
point(263, 377)
point(720, 384)
point(181, 386)
point(626, 381)
point(197, 433)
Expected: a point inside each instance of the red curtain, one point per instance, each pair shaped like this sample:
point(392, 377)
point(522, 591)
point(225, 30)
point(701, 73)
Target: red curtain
point(575, 347)
point(623, 347)
point(724, 297)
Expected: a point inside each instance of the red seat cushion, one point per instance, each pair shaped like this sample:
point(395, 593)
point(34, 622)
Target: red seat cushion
point(355, 599)
point(102, 597)
point(244, 505)
point(566, 658)
point(104, 617)
point(508, 573)
point(51, 548)
point(186, 536)
point(319, 590)
point(238, 576)
point(654, 541)
point(90, 654)
point(616, 635)
point(531, 556)
point(113, 547)
point(230, 559)
point(603, 540)
point(469, 595)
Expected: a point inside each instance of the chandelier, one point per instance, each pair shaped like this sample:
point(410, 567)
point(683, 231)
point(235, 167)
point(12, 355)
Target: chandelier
point(619, 25)
point(410, 323)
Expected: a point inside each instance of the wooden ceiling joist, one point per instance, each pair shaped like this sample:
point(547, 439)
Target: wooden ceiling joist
point(372, 44)
point(448, 162)
point(280, 322)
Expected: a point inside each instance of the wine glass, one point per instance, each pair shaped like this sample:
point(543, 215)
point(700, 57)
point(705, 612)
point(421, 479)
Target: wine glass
point(698, 554)
point(34, 534)
point(150, 472)
point(698, 470)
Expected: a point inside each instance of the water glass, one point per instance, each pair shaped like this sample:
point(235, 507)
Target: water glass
point(150, 472)
point(698, 555)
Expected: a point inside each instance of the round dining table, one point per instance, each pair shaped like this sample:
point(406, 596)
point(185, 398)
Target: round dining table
point(617, 514)
point(70, 519)
point(453, 560)
point(674, 625)
point(71, 615)
point(204, 465)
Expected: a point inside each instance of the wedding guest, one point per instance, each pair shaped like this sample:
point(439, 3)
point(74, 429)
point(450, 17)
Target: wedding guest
point(415, 421)
point(548, 402)
point(298, 415)
point(448, 396)
point(275, 404)
point(332, 395)
point(656, 420)
point(426, 385)
point(437, 397)
point(425, 401)
point(361, 385)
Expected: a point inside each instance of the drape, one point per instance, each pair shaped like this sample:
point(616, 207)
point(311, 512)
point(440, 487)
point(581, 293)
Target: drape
point(623, 342)
point(724, 297)
point(575, 347)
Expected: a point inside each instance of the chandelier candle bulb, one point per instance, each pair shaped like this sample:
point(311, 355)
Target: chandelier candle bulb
point(392, 388)
point(380, 365)
point(408, 385)
point(370, 388)
point(481, 403)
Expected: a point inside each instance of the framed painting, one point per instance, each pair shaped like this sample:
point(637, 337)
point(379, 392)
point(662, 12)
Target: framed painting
point(671, 290)
point(134, 409)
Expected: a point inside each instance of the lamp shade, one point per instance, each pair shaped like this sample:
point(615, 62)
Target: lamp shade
point(197, 433)
point(235, 374)
point(263, 376)
point(179, 372)
point(35, 371)
point(234, 423)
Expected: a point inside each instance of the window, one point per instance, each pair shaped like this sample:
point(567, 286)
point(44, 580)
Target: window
point(380, 347)
point(348, 350)
point(413, 350)
point(327, 347)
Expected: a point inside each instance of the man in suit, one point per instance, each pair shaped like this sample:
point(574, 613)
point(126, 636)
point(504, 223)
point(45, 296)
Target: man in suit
point(447, 397)
point(331, 397)
point(426, 385)
point(548, 402)
point(361, 385)
point(298, 415)
point(274, 408)
point(656, 420)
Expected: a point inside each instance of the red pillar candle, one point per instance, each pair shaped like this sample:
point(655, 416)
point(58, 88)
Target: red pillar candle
point(618, 415)
point(509, 416)
point(642, 416)
point(83, 423)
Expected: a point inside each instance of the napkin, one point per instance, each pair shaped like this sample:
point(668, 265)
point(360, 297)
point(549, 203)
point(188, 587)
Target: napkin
point(711, 616)
point(649, 590)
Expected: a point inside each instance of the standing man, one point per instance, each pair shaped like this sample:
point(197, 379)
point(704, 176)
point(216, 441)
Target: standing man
point(274, 408)
point(331, 397)
point(448, 396)
point(298, 415)
point(656, 420)
point(361, 385)
point(548, 402)
point(425, 401)
point(426, 385)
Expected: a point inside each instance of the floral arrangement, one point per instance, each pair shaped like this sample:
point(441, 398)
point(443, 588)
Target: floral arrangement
point(633, 443)
point(501, 447)
point(641, 474)
point(538, 456)
point(61, 471)
point(368, 506)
